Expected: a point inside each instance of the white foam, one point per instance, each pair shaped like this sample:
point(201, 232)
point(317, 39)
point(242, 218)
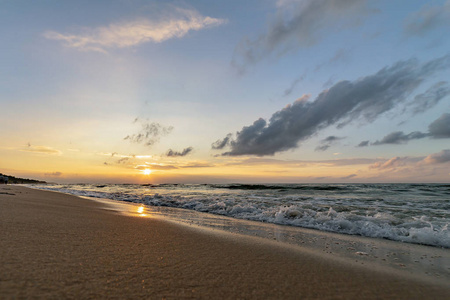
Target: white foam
point(394, 220)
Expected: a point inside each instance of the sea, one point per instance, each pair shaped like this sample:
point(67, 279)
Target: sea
point(413, 213)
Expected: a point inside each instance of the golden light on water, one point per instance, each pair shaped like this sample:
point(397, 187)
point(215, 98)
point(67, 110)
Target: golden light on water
point(140, 209)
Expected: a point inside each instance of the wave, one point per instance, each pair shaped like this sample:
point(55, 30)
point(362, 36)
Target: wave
point(400, 216)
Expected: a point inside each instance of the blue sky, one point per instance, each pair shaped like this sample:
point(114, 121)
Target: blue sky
point(285, 90)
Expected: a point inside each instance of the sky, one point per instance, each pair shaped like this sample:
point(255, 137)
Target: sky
point(255, 91)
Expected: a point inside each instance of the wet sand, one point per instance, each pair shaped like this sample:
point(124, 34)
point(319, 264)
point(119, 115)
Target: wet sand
point(54, 245)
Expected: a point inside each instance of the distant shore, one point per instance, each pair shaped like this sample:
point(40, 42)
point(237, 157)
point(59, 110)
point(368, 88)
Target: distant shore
point(60, 246)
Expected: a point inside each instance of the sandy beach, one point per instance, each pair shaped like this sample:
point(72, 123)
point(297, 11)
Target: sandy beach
point(54, 245)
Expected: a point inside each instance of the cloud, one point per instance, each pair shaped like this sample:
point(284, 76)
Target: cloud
point(399, 137)
point(349, 176)
point(174, 24)
point(339, 55)
point(115, 154)
point(363, 144)
point(440, 128)
point(123, 160)
point(430, 98)
point(364, 99)
point(161, 167)
point(155, 166)
point(305, 163)
point(41, 149)
point(196, 165)
point(428, 18)
point(437, 158)
point(300, 24)
point(185, 152)
point(290, 89)
point(149, 134)
point(220, 144)
point(53, 174)
point(390, 164)
point(327, 142)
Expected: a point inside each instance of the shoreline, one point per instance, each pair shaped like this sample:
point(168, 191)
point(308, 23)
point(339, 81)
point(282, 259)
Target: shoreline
point(55, 244)
point(422, 261)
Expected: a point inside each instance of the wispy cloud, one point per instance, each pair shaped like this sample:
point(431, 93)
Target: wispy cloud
point(175, 24)
point(150, 133)
point(53, 174)
point(407, 162)
point(349, 176)
point(399, 137)
point(430, 98)
point(340, 55)
point(364, 99)
point(305, 163)
point(390, 164)
point(328, 142)
point(428, 18)
point(290, 89)
point(41, 149)
point(115, 154)
point(300, 24)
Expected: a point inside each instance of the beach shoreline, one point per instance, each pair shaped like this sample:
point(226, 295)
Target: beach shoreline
point(57, 245)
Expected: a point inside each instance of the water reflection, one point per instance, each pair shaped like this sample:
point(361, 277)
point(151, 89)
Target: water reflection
point(141, 210)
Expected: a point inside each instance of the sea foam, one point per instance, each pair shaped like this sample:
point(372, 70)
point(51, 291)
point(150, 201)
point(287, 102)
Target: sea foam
point(408, 213)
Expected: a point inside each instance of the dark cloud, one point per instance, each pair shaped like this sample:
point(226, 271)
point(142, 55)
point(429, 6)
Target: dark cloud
point(220, 144)
point(440, 128)
point(328, 142)
point(428, 18)
point(431, 97)
point(399, 137)
point(149, 134)
point(300, 24)
point(363, 144)
point(438, 158)
point(364, 99)
point(185, 152)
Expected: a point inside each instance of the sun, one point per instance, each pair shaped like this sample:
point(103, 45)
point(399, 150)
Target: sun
point(147, 171)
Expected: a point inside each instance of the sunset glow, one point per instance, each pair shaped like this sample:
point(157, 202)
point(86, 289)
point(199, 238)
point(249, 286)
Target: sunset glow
point(197, 92)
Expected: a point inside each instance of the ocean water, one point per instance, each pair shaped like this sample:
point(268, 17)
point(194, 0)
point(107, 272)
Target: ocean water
point(414, 213)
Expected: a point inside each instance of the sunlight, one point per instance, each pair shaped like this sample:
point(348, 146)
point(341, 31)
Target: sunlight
point(147, 172)
point(141, 210)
